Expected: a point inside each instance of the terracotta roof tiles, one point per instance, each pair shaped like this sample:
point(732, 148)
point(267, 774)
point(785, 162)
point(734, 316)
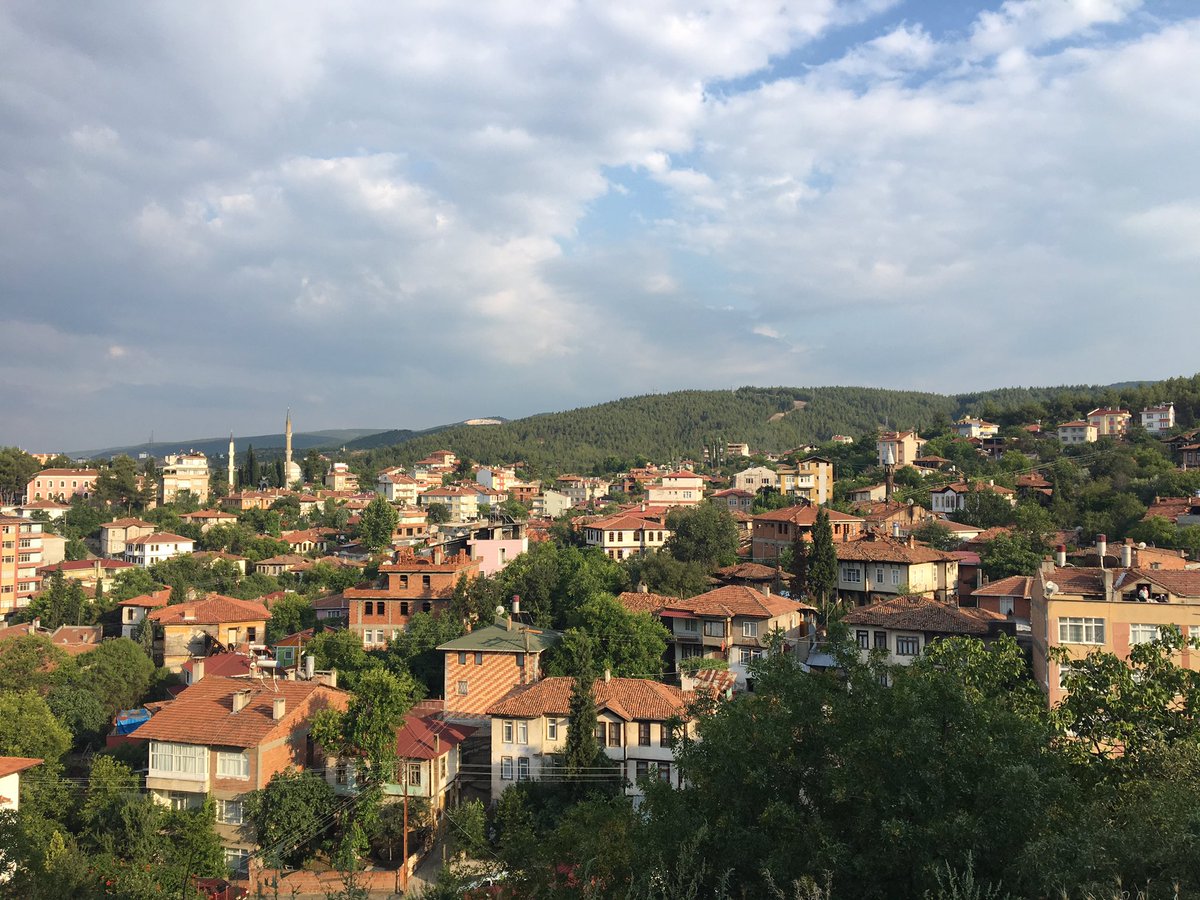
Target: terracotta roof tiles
point(629, 698)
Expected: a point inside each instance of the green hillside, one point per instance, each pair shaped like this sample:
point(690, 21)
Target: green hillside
point(661, 427)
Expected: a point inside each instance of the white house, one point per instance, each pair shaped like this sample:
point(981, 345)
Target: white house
point(529, 730)
point(152, 548)
point(1158, 419)
point(754, 478)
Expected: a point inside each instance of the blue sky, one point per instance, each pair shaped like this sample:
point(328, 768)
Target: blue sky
point(398, 215)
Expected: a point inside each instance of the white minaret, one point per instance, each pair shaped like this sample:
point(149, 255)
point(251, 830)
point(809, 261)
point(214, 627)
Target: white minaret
point(287, 436)
point(231, 476)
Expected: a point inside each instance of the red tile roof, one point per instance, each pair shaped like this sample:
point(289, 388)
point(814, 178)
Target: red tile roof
point(919, 614)
point(879, 548)
point(748, 572)
point(1014, 586)
point(803, 515)
point(425, 738)
point(213, 609)
point(203, 714)
point(629, 698)
point(159, 537)
point(737, 600)
point(640, 601)
point(149, 601)
point(127, 523)
point(10, 765)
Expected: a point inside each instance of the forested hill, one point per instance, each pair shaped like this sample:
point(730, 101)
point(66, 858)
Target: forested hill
point(680, 424)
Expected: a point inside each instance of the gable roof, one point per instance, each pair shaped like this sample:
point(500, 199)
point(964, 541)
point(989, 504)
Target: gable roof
point(880, 548)
point(203, 713)
point(151, 600)
point(643, 601)
point(127, 523)
point(1013, 586)
point(212, 609)
point(10, 765)
point(629, 698)
point(421, 737)
point(159, 537)
point(804, 514)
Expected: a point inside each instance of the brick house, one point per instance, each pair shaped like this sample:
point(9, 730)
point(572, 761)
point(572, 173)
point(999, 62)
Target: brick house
point(410, 585)
point(226, 737)
point(195, 627)
point(774, 531)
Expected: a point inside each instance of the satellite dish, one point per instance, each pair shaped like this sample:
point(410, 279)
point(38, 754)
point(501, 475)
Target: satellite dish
point(1050, 589)
point(1141, 545)
point(499, 610)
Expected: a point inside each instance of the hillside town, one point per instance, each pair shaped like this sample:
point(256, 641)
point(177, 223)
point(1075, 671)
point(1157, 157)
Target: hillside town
point(396, 650)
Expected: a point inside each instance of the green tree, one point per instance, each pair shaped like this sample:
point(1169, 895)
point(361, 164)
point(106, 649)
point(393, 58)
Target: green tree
point(706, 534)
point(378, 524)
point(81, 711)
point(582, 755)
point(936, 535)
point(662, 573)
point(290, 614)
point(797, 566)
point(118, 672)
point(292, 816)
point(822, 564)
point(31, 662)
point(30, 728)
point(1011, 554)
point(342, 650)
point(622, 642)
point(17, 468)
point(414, 650)
point(437, 513)
point(984, 508)
point(63, 602)
point(117, 484)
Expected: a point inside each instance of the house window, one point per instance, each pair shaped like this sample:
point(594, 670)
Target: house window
point(1142, 634)
point(462, 658)
point(479, 659)
point(443, 766)
point(522, 768)
point(895, 576)
point(368, 608)
point(1194, 632)
point(1007, 606)
point(643, 734)
point(864, 639)
point(520, 660)
point(508, 732)
point(908, 646)
point(414, 774)
point(878, 575)
point(851, 574)
point(692, 625)
point(664, 771)
point(506, 768)
point(179, 758)
point(426, 606)
point(614, 734)
point(601, 732)
point(665, 737)
point(747, 655)
point(1077, 630)
point(749, 629)
point(462, 689)
point(522, 732)
point(642, 768)
point(229, 812)
point(237, 860)
point(233, 765)
point(714, 629)
point(881, 641)
point(425, 582)
point(179, 800)
point(1063, 673)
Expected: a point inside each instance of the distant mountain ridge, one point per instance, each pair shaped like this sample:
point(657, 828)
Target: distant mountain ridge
point(681, 423)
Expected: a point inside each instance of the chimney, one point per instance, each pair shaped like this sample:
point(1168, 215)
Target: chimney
point(516, 607)
point(310, 666)
point(896, 530)
point(1127, 554)
point(278, 708)
point(607, 675)
point(912, 541)
point(197, 670)
point(1101, 547)
point(240, 699)
point(1060, 555)
point(36, 623)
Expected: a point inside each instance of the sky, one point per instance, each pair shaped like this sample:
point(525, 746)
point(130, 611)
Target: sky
point(406, 214)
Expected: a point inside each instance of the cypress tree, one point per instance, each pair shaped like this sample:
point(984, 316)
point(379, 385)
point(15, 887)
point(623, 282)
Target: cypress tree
point(582, 749)
point(822, 559)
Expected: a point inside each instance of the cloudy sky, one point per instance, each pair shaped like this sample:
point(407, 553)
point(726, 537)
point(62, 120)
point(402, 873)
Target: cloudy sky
point(403, 214)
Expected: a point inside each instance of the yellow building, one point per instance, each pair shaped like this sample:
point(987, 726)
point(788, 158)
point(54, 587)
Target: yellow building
point(197, 627)
point(1110, 609)
point(810, 479)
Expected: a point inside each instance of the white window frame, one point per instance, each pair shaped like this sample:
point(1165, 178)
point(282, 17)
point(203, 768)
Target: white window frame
point(182, 760)
point(523, 771)
point(506, 768)
point(908, 641)
point(522, 732)
point(552, 729)
point(230, 812)
point(1142, 633)
point(750, 629)
point(233, 765)
point(506, 732)
point(1090, 630)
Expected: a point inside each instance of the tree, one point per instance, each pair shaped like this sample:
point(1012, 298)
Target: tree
point(118, 672)
point(414, 650)
point(706, 534)
point(63, 602)
point(624, 643)
point(290, 614)
point(662, 573)
point(378, 524)
point(582, 754)
point(822, 565)
point(117, 484)
point(81, 711)
point(31, 662)
point(292, 816)
point(936, 535)
point(984, 508)
point(797, 566)
point(437, 513)
point(17, 468)
point(30, 728)
point(1010, 554)
point(342, 650)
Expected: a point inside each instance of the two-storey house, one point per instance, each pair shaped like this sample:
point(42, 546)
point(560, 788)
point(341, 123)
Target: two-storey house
point(135, 609)
point(149, 549)
point(116, 534)
point(634, 725)
point(226, 737)
point(486, 663)
point(627, 534)
point(877, 565)
point(952, 498)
